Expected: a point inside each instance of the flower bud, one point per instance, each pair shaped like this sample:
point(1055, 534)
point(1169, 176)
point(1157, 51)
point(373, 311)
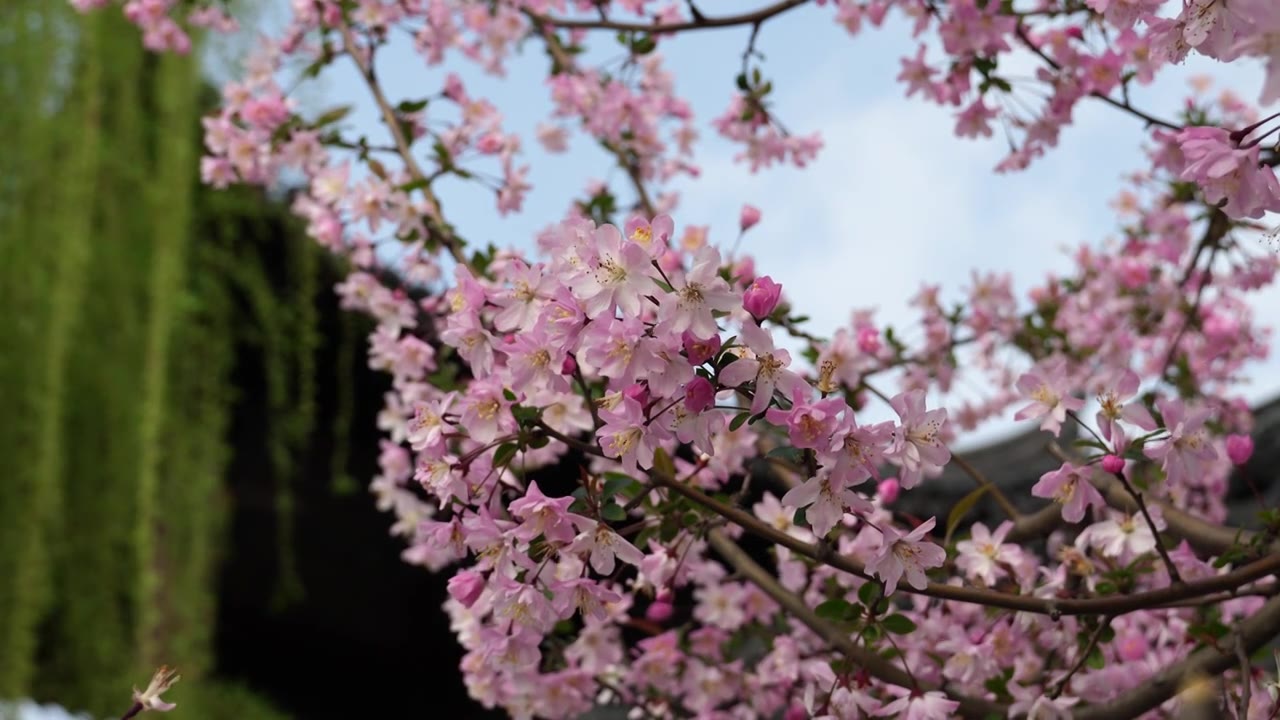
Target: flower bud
point(699, 394)
point(749, 217)
point(796, 712)
point(466, 586)
point(569, 366)
point(888, 490)
point(1239, 448)
point(869, 340)
point(1113, 464)
point(659, 612)
point(762, 297)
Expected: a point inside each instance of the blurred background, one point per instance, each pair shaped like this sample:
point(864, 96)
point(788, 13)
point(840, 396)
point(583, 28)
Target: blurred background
point(191, 420)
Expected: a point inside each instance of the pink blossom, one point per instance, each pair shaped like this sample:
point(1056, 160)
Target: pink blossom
point(1227, 172)
point(699, 394)
point(699, 351)
point(603, 545)
point(917, 444)
point(985, 555)
point(748, 218)
point(1069, 486)
point(466, 587)
point(766, 366)
point(161, 681)
point(1050, 392)
point(931, 705)
point(908, 555)
point(1184, 452)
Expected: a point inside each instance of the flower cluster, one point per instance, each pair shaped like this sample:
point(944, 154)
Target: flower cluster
point(590, 436)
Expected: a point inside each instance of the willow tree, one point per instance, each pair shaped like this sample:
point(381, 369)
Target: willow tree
point(124, 289)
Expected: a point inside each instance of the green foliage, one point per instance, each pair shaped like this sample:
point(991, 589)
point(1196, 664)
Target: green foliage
point(128, 290)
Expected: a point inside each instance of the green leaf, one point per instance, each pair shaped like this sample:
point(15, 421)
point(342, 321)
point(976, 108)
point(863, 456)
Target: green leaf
point(510, 396)
point(898, 624)
point(613, 512)
point(868, 593)
point(615, 483)
point(663, 464)
point(332, 116)
point(838, 610)
point(738, 420)
point(801, 518)
point(503, 455)
point(961, 509)
point(407, 107)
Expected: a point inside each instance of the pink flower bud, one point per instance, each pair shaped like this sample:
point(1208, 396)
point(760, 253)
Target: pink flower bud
point(637, 392)
point(744, 271)
point(888, 490)
point(490, 143)
point(569, 366)
point(699, 394)
point(466, 586)
point(749, 217)
point(700, 351)
point(1239, 448)
point(869, 340)
point(796, 712)
point(665, 596)
point(1132, 646)
point(762, 297)
point(453, 89)
point(659, 612)
point(1113, 464)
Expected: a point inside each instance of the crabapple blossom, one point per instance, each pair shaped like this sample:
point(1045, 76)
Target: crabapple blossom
point(906, 555)
point(611, 435)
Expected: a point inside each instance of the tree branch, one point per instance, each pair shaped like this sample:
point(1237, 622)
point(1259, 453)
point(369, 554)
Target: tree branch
point(698, 23)
point(877, 666)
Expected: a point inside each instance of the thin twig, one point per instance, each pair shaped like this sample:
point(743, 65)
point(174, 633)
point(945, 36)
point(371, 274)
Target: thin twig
point(699, 22)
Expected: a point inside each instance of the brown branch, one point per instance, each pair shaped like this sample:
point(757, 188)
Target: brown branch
point(877, 666)
point(1061, 685)
point(698, 23)
point(392, 121)
point(1252, 633)
point(1118, 104)
point(1054, 607)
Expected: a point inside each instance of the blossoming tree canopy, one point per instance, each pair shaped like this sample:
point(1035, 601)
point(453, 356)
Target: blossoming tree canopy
point(647, 501)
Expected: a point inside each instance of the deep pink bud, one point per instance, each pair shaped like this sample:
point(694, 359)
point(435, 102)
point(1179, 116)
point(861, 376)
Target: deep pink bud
point(637, 392)
point(749, 217)
point(659, 612)
point(699, 394)
point(888, 490)
point(1113, 464)
point(665, 596)
point(1132, 646)
point(569, 366)
point(698, 350)
point(762, 297)
point(796, 712)
point(466, 586)
point(1239, 448)
point(869, 340)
